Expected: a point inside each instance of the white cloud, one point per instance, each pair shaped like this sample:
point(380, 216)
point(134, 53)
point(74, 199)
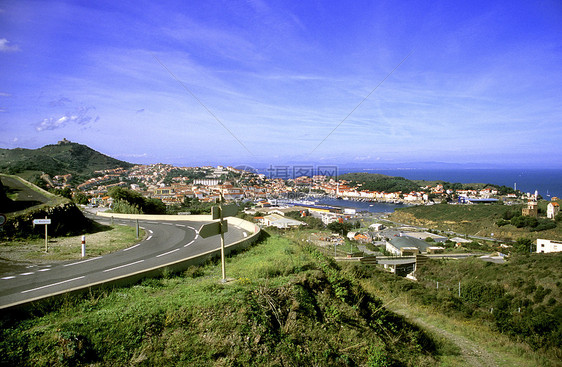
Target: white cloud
point(81, 116)
point(5, 47)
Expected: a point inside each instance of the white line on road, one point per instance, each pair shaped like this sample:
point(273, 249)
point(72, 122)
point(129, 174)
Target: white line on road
point(122, 266)
point(189, 243)
point(27, 273)
point(150, 231)
point(169, 252)
point(180, 225)
point(149, 237)
point(168, 224)
point(43, 269)
point(132, 247)
point(83, 261)
point(52, 285)
point(10, 277)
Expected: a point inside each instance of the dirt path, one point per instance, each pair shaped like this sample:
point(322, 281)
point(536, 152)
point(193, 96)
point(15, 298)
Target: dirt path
point(473, 354)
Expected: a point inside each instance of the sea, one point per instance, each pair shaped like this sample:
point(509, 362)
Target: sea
point(547, 182)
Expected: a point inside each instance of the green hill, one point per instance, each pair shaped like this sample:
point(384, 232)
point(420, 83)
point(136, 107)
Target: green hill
point(477, 220)
point(378, 182)
point(57, 159)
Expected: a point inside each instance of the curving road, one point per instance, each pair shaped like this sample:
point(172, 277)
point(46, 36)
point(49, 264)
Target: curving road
point(166, 242)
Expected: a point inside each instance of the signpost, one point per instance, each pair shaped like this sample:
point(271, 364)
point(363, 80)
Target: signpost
point(219, 227)
point(45, 222)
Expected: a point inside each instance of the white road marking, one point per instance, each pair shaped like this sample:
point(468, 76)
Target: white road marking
point(168, 224)
point(149, 237)
point(169, 252)
point(187, 244)
point(132, 247)
point(180, 225)
point(83, 261)
point(10, 277)
point(43, 269)
point(122, 266)
point(52, 285)
point(27, 273)
point(150, 231)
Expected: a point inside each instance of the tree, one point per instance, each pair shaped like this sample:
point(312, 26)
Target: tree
point(523, 245)
point(80, 198)
point(338, 227)
point(136, 200)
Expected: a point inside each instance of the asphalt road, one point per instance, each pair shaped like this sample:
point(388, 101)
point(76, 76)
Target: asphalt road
point(165, 242)
point(26, 197)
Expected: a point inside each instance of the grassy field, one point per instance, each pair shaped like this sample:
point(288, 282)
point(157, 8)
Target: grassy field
point(477, 220)
point(510, 311)
point(32, 250)
point(287, 305)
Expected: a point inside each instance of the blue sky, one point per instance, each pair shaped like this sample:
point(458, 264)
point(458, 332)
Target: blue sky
point(148, 82)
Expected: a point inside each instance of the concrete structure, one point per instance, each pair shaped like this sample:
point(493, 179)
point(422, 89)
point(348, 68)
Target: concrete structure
point(405, 245)
point(424, 235)
point(552, 209)
point(376, 226)
point(276, 220)
point(546, 246)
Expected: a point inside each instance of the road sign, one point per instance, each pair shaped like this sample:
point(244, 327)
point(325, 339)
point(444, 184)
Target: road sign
point(41, 221)
point(227, 211)
point(213, 229)
point(2, 219)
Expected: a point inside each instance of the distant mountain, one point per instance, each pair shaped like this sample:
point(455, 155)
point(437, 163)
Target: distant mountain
point(57, 159)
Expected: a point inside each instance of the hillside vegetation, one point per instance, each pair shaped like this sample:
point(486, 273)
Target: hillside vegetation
point(22, 202)
point(57, 159)
point(287, 305)
point(478, 220)
point(521, 299)
point(378, 182)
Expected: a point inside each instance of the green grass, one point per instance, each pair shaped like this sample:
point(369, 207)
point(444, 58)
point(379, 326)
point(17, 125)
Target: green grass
point(477, 220)
point(69, 248)
point(523, 327)
point(287, 305)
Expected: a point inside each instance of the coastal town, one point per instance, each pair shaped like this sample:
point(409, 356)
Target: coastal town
point(173, 184)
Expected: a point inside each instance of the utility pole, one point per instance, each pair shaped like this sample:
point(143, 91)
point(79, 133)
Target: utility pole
point(223, 260)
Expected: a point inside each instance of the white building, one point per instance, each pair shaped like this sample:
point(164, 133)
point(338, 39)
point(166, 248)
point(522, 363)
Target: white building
point(546, 246)
point(279, 221)
point(552, 209)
